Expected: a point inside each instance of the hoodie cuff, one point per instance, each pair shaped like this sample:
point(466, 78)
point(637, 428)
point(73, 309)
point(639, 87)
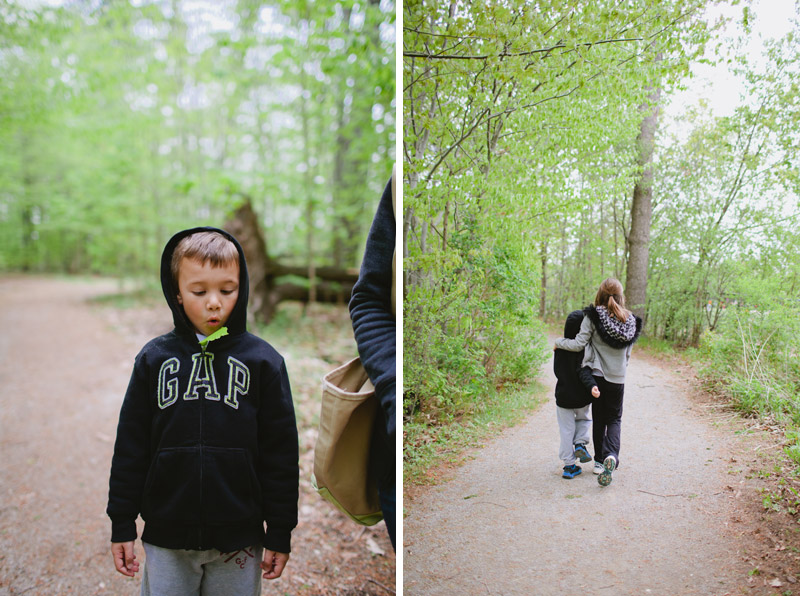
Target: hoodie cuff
point(278, 539)
point(123, 530)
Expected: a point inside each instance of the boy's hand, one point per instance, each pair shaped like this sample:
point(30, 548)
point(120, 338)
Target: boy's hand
point(595, 391)
point(124, 559)
point(273, 564)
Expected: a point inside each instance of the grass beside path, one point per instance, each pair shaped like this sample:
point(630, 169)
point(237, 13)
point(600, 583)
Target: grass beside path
point(427, 448)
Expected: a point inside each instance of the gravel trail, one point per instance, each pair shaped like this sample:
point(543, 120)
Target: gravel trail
point(64, 367)
point(507, 523)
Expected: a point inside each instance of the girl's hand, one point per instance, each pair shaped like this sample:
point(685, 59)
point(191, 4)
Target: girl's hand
point(595, 391)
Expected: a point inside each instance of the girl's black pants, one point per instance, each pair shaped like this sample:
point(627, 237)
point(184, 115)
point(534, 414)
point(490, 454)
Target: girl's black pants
point(607, 419)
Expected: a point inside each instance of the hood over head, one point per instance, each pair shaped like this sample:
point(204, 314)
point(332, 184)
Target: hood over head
point(237, 321)
point(573, 324)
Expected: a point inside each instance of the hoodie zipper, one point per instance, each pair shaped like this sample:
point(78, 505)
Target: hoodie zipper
point(202, 457)
point(221, 332)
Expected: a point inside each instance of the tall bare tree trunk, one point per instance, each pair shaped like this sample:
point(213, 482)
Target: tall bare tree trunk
point(308, 177)
point(642, 210)
point(543, 291)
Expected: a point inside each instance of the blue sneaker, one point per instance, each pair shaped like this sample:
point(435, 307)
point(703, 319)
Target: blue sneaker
point(571, 471)
point(582, 453)
point(609, 465)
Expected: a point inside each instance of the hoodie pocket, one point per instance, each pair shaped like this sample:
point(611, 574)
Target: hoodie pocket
point(172, 490)
point(230, 488)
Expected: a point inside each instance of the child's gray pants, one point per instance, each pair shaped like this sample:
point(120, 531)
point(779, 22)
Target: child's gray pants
point(575, 426)
point(170, 572)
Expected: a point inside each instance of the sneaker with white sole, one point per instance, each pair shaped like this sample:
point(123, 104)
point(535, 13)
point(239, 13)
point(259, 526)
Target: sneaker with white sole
point(609, 465)
point(598, 468)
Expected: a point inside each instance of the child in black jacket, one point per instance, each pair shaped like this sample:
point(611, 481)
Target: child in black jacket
point(575, 388)
point(206, 448)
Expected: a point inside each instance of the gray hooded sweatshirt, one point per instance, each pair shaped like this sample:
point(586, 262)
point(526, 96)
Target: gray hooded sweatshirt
point(607, 340)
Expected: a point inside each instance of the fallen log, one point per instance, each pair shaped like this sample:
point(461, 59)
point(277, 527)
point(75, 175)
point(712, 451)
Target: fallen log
point(326, 273)
point(329, 292)
point(331, 284)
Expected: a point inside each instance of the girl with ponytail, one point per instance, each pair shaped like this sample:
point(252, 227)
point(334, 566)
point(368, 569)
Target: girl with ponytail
point(608, 332)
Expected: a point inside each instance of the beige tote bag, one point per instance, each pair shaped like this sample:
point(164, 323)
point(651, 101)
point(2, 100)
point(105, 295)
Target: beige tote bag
point(341, 455)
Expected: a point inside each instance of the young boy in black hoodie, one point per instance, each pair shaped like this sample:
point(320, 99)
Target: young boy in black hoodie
point(575, 388)
point(206, 448)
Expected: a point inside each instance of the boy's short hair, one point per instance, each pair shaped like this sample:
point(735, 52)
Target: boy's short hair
point(204, 247)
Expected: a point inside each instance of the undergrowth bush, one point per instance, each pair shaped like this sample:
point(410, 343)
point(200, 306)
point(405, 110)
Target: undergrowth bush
point(753, 358)
point(471, 347)
point(469, 332)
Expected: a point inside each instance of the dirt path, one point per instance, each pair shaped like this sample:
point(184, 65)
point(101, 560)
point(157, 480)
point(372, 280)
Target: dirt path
point(63, 372)
point(507, 523)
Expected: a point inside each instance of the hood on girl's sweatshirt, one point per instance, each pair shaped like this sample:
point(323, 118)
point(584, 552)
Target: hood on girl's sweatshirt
point(237, 321)
point(617, 334)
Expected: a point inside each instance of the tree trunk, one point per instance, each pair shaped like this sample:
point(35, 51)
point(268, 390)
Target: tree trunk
point(27, 230)
point(543, 291)
point(642, 210)
point(330, 284)
point(308, 177)
point(245, 227)
point(407, 215)
point(616, 241)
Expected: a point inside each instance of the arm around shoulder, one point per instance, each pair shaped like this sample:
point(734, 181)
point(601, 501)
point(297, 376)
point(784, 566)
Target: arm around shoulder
point(580, 341)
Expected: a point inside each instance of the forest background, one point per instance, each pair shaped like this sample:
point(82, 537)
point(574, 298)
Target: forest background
point(122, 122)
point(537, 162)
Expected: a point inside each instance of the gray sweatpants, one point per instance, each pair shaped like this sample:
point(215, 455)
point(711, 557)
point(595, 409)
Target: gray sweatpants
point(574, 426)
point(170, 572)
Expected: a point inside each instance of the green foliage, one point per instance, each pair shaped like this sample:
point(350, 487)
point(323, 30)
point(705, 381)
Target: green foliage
point(781, 498)
point(122, 122)
point(472, 330)
point(793, 448)
point(657, 345)
point(519, 120)
point(727, 204)
point(753, 357)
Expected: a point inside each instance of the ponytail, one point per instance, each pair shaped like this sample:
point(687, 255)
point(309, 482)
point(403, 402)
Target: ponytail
point(610, 295)
point(619, 311)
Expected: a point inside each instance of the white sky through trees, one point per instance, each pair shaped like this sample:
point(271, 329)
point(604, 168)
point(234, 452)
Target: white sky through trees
point(770, 19)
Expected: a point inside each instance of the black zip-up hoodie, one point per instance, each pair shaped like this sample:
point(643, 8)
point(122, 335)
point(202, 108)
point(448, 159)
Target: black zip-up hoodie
point(207, 447)
point(573, 382)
